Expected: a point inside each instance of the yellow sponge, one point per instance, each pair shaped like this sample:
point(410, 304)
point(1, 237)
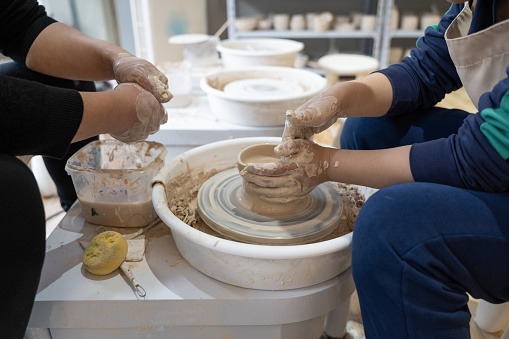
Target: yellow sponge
point(105, 253)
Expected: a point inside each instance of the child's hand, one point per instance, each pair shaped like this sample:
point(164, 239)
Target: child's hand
point(313, 117)
point(303, 166)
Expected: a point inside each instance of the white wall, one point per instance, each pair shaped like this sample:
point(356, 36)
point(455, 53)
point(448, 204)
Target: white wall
point(153, 22)
point(93, 17)
point(173, 17)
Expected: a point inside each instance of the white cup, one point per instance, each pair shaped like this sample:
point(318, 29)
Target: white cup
point(310, 20)
point(265, 23)
point(298, 22)
point(323, 21)
point(356, 19)
point(368, 22)
point(246, 23)
point(395, 55)
point(281, 22)
point(342, 19)
point(409, 21)
point(428, 19)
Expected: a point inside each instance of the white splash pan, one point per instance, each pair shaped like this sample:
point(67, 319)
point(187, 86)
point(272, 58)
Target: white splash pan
point(245, 265)
point(258, 110)
point(241, 53)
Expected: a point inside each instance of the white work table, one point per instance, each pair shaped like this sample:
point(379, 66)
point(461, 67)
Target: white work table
point(196, 125)
point(180, 302)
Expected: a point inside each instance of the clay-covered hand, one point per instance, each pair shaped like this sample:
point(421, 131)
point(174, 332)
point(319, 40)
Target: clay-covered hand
point(303, 166)
point(128, 68)
point(313, 117)
point(148, 116)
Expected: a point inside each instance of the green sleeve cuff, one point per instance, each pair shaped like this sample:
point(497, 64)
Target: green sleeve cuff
point(496, 126)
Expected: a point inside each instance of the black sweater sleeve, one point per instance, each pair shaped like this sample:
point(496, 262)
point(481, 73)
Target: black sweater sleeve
point(21, 21)
point(35, 119)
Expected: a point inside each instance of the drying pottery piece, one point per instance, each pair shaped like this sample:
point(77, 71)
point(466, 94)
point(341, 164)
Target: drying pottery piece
point(368, 22)
point(409, 21)
point(264, 23)
point(281, 21)
point(298, 22)
point(246, 24)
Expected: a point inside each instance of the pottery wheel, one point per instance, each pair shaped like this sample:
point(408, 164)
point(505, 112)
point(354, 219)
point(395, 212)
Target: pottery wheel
point(310, 219)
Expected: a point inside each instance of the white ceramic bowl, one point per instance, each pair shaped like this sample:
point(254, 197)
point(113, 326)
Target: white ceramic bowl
point(245, 265)
point(263, 102)
point(242, 53)
point(246, 24)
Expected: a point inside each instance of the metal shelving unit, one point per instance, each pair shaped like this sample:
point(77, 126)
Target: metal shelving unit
point(375, 35)
point(382, 36)
point(388, 35)
point(307, 34)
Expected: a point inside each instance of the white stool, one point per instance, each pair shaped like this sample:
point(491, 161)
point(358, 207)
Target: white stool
point(492, 318)
point(337, 65)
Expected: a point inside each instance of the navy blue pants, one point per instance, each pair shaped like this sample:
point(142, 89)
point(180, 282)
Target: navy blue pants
point(419, 248)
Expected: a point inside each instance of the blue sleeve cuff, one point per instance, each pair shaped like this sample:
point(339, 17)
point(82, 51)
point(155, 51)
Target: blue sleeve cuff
point(404, 89)
point(465, 159)
point(427, 163)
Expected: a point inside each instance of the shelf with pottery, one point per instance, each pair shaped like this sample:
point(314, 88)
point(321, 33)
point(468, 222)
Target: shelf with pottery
point(404, 25)
point(406, 33)
point(307, 34)
point(312, 25)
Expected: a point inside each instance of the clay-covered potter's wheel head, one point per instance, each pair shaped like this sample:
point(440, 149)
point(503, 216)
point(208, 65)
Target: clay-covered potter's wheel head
point(225, 205)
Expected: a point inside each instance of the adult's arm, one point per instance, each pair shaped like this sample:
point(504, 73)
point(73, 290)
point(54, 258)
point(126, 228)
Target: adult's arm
point(40, 119)
point(30, 37)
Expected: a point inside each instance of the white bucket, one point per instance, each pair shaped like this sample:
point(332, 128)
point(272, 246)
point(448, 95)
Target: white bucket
point(245, 265)
point(259, 52)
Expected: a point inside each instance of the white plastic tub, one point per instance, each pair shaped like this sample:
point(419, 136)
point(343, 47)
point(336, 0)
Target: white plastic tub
point(268, 92)
point(112, 180)
point(243, 53)
point(245, 265)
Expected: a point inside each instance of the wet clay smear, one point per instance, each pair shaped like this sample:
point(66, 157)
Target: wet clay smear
point(182, 192)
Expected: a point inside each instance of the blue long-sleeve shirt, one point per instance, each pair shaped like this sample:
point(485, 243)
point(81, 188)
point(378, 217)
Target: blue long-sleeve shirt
point(476, 157)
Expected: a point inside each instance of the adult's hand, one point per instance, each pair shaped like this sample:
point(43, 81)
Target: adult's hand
point(145, 117)
point(128, 68)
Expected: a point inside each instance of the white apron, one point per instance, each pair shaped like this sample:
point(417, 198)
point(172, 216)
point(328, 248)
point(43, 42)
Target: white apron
point(481, 58)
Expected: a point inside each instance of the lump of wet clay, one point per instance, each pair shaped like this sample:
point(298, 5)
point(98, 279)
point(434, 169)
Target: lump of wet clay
point(106, 252)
